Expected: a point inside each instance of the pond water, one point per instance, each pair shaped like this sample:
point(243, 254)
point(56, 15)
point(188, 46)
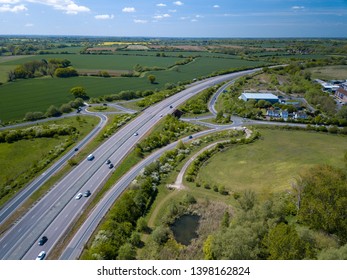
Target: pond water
point(184, 228)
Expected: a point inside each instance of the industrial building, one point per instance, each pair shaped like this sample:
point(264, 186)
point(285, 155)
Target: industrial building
point(259, 96)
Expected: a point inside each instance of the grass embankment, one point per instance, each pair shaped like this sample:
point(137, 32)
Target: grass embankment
point(17, 158)
point(272, 163)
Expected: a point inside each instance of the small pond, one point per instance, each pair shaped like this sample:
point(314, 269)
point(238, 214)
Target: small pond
point(185, 227)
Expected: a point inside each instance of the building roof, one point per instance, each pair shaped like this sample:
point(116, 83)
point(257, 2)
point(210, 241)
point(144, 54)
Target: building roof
point(341, 90)
point(259, 95)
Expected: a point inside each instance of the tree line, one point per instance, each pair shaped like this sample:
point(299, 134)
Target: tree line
point(10, 136)
point(54, 111)
point(37, 68)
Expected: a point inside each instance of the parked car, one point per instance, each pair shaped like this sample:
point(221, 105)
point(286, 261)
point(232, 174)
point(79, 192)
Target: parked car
point(87, 193)
point(41, 256)
point(43, 240)
point(78, 196)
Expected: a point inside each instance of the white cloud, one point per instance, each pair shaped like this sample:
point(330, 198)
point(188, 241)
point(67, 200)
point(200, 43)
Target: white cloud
point(194, 20)
point(162, 16)
point(129, 10)
point(29, 25)
point(297, 8)
point(12, 9)
point(104, 17)
point(172, 11)
point(199, 16)
point(178, 3)
point(161, 5)
point(216, 6)
point(68, 6)
point(9, 1)
point(142, 21)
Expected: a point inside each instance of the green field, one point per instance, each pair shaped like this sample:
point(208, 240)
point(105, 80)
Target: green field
point(338, 72)
point(272, 163)
point(18, 157)
point(4, 70)
point(103, 62)
point(38, 94)
point(201, 66)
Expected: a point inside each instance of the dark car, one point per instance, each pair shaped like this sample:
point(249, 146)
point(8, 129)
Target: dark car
point(111, 166)
point(76, 149)
point(43, 240)
point(87, 193)
point(108, 161)
point(171, 107)
point(190, 137)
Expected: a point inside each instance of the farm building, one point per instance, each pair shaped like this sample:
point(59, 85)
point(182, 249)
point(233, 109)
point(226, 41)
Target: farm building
point(259, 96)
point(341, 93)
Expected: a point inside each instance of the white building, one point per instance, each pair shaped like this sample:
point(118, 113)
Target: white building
point(259, 96)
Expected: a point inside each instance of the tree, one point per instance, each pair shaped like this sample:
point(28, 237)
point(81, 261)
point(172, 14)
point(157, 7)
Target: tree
point(220, 115)
point(151, 79)
point(247, 200)
point(141, 225)
point(65, 72)
point(160, 235)
point(226, 219)
point(324, 200)
point(208, 255)
point(53, 111)
point(240, 242)
point(31, 116)
point(334, 254)
point(65, 108)
point(342, 114)
point(79, 92)
point(284, 243)
point(126, 252)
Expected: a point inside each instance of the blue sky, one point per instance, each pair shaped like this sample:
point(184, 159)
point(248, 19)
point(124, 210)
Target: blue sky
point(185, 18)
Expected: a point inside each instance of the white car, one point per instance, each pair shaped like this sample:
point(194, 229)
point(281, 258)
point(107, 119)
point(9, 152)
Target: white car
point(41, 256)
point(90, 157)
point(78, 196)
point(135, 134)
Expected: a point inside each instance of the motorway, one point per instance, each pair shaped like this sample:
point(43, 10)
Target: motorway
point(54, 214)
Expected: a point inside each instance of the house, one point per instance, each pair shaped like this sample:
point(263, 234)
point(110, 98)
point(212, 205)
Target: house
point(284, 114)
point(300, 115)
point(273, 113)
point(341, 93)
point(259, 96)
